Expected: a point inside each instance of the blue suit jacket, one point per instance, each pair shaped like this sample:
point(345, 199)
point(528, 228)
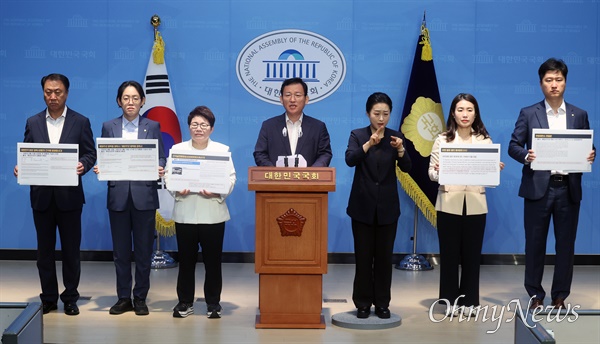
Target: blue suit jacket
point(76, 130)
point(314, 144)
point(534, 184)
point(375, 186)
point(144, 194)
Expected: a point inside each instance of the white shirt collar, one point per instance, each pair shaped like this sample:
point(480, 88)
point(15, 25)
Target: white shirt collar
point(562, 109)
point(135, 122)
point(288, 120)
point(63, 115)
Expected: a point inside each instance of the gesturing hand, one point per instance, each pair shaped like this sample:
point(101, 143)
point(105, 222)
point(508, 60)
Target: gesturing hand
point(375, 137)
point(396, 142)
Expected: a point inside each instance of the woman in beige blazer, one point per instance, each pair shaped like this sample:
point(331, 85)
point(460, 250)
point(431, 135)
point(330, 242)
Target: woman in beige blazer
point(461, 212)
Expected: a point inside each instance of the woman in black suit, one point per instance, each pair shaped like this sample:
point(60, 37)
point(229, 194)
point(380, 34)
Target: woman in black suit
point(374, 206)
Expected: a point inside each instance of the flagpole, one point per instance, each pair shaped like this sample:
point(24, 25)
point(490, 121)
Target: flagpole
point(160, 259)
point(414, 261)
point(422, 109)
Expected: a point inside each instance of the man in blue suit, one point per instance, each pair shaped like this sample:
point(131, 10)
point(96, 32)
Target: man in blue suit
point(132, 204)
point(59, 206)
point(293, 133)
point(549, 194)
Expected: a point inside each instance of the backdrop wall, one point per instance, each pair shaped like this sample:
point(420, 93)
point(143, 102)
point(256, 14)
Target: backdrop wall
point(489, 48)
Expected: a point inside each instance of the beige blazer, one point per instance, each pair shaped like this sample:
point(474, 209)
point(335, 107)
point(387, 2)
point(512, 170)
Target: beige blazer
point(451, 198)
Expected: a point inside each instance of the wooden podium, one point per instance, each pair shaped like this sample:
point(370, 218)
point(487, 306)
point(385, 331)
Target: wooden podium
point(291, 243)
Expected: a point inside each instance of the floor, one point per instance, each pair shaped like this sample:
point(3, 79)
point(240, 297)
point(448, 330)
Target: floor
point(413, 293)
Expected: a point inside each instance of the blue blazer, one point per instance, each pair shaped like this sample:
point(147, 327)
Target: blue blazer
point(76, 129)
point(375, 186)
point(144, 194)
point(534, 184)
point(314, 144)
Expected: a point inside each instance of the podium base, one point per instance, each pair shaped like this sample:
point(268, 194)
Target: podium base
point(414, 262)
point(162, 260)
point(349, 320)
point(259, 324)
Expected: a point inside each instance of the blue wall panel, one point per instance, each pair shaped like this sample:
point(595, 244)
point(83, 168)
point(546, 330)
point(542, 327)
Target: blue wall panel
point(489, 48)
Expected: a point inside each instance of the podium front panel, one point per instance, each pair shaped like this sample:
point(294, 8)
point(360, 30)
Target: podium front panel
point(291, 233)
point(289, 299)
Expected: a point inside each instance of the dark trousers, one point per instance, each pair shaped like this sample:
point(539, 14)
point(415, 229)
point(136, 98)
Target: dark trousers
point(135, 227)
point(210, 238)
point(69, 228)
point(461, 239)
point(373, 250)
point(565, 215)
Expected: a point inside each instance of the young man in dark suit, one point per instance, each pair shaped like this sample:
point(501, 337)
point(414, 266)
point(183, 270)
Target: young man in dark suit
point(549, 194)
point(59, 206)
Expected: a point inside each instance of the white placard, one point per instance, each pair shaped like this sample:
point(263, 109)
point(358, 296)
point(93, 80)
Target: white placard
point(120, 159)
point(199, 170)
point(47, 164)
point(562, 150)
point(469, 164)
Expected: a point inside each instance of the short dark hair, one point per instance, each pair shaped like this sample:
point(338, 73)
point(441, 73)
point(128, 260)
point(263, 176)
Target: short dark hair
point(293, 81)
point(202, 111)
point(56, 77)
point(376, 98)
point(477, 126)
point(128, 83)
point(553, 64)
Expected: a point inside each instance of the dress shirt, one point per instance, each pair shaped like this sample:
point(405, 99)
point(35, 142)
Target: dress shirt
point(557, 121)
point(55, 126)
point(130, 128)
point(294, 130)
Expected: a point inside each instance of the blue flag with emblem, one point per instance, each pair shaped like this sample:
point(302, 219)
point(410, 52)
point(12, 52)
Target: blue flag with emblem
point(422, 121)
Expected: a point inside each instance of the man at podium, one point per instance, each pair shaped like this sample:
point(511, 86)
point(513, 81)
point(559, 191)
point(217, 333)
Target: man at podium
point(293, 139)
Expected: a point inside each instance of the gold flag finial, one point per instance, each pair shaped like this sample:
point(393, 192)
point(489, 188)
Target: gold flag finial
point(155, 21)
point(158, 50)
point(426, 53)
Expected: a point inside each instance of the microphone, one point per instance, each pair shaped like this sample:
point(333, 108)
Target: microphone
point(299, 132)
point(284, 132)
point(285, 161)
point(296, 161)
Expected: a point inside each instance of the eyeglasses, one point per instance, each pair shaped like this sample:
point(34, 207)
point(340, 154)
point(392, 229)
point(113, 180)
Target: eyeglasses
point(202, 126)
point(295, 95)
point(134, 99)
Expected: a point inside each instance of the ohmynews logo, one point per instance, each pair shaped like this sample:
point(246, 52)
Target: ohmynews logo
point(496, 313)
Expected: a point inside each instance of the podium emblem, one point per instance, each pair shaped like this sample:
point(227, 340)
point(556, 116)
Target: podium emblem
point(291, 223)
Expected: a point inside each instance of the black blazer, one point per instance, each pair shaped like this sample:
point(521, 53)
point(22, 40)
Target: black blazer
point(375, 187)
point(314, 144)
point(77, 130)
point(534, 184)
